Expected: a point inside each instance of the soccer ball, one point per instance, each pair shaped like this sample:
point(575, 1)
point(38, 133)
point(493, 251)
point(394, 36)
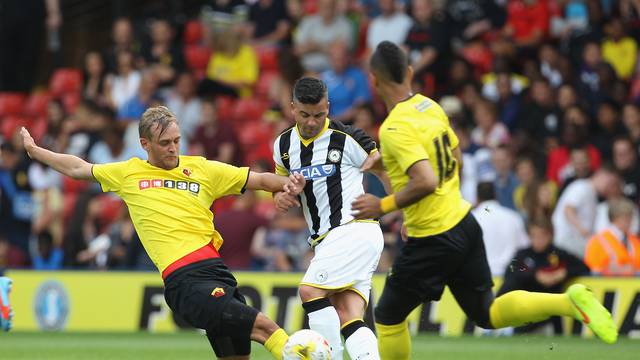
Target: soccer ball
point(306, 345)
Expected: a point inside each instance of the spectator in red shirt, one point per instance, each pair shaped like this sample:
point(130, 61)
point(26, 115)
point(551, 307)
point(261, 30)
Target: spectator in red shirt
point(216, 140)
point(240, 225)
point(574, 135)
point(527, 22)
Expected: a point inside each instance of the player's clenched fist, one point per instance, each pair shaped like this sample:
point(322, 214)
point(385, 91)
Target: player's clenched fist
point(366, 206)
point(285, 201)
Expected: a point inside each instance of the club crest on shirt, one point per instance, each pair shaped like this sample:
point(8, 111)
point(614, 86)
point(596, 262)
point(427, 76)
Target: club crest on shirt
point(284, 156)
point(187, 172)
point(334, 155)
point(217, 292)
point(322, 276)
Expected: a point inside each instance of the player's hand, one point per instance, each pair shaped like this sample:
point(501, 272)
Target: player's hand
point(295, 185)
point(285, 201)
point(373, 163)
point(366, 206)
point(27, 140)
point(404, 235)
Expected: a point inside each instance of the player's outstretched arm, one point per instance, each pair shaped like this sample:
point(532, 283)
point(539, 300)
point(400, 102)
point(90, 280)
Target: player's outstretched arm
point(292, 185)
point(66, 164)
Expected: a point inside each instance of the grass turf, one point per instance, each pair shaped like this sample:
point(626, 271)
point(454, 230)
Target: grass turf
point(192, 345)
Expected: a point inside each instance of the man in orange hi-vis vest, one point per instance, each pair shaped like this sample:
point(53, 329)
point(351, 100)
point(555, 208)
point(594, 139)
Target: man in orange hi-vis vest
point(615, 251)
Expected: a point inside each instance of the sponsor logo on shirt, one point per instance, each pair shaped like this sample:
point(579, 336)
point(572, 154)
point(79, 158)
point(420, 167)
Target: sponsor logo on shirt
point(190, 186)
point(316, 171)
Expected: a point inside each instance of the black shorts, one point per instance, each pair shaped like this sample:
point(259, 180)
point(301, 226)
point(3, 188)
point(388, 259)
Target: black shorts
point(456, 258)
point(204, 294)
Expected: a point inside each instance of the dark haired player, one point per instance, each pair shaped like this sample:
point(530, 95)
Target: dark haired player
point(445, 247)
point(335, 289)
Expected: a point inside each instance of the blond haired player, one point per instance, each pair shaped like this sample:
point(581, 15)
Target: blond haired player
point(169, 197)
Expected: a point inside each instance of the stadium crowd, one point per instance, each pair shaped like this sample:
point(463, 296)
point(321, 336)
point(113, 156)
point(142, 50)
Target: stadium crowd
point(544, 96)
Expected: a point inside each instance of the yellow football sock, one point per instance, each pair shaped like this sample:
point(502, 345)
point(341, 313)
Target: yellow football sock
point(394, 341)
point(275, 343)
point(519, 307)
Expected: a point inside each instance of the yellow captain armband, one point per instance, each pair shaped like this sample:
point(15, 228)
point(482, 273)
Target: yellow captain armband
point(388, 204)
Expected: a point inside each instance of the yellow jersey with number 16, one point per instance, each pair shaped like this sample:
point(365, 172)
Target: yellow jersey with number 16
point(418, 129)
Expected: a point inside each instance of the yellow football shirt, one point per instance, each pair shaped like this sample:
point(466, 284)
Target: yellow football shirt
point(418, 129)
point(170, 209)
point(243, 67)
point(622, 55)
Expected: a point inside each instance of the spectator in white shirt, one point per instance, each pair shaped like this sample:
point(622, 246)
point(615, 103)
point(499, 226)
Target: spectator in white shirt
point(391, 25)
point(575, 214)
point(316, 33)
point(124, 84)
point(503, 229)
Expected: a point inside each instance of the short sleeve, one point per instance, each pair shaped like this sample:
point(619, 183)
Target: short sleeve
point(400, 141)
point(355, 152)
point(280, 168)
point(110, 175)
point(226, 179)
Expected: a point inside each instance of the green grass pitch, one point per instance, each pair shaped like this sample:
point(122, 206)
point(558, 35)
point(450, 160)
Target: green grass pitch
point(192, 345)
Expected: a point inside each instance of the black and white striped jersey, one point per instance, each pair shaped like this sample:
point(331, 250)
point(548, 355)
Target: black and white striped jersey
point(330, 163)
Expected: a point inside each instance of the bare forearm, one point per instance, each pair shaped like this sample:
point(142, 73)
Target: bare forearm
point(410, 194)
point(66, 164)
point(266, 181)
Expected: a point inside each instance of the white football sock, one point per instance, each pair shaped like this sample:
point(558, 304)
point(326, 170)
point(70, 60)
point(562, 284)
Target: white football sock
point(327, 323)
point(362, 345)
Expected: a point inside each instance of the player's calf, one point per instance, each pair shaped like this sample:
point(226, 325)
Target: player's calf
point(360, 341)
point(324, 319)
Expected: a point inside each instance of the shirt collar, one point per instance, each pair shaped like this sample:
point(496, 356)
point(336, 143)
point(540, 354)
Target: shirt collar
point(616, 232)
point(306, 142)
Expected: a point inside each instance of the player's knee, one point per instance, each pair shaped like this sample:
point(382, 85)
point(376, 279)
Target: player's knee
point(308, 293)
